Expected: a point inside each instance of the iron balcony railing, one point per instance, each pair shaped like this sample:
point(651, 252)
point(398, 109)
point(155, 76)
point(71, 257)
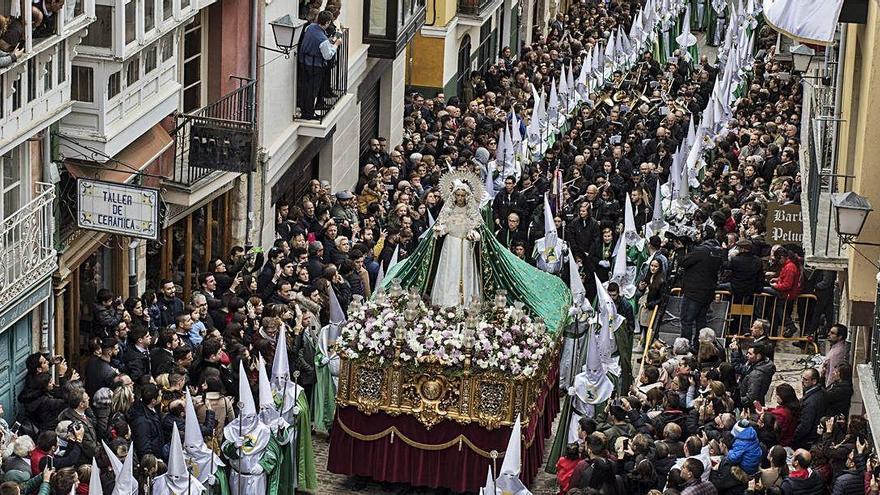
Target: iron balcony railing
point(472, 7)
point(27, 248)
point(231, 119)
point(333, 83)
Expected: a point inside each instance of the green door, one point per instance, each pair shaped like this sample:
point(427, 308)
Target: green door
point(15, 346)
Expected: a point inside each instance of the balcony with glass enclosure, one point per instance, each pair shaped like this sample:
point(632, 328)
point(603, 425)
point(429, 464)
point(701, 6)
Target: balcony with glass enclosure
point(126, 74)
point(390, 25)
point(35, 87)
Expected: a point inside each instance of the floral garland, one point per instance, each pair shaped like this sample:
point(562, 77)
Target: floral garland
point(505, 340)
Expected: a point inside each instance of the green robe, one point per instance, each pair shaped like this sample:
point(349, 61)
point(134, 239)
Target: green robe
point(303, 476)
point(324, 394)
point(270, 462)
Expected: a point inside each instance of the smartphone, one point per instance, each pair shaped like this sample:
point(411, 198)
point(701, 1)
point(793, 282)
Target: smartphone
point(50, 463)
point(15, 427)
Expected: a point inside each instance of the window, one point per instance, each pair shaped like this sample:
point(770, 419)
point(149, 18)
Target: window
point(47, 76)
point(167, 46)
point(100, 31)
point(184, 4)
point(82, 84)
point(130, 21)
point(32, 79)
point(62, 61)
point(149, 14)
point(192, 65)
point(16, 94)
point(2, 95)
point(150, 58)
point(113, 84)
point(133, 70)
point(10, 182)
point(167, 9)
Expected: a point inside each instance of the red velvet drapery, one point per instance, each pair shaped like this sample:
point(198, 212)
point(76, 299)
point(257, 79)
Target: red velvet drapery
point(457, 467)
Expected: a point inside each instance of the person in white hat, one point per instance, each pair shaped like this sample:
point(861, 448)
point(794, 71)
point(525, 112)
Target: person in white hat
point(206, 465)
point(250, 447)
point(178, 479)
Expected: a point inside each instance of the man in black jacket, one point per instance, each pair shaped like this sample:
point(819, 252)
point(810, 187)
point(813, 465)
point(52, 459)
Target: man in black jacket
point(698, 280)
point(169, 305)
point(756, 377)
point(507, 201)
point(813, 405)
point(801, 480)
point(108, 311)
point(839, 395)
point(146, 429)
point(137, 357)
point(162, 356)
point(99, 372)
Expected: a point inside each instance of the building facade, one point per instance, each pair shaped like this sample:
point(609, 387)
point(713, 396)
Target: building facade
point(35, 94)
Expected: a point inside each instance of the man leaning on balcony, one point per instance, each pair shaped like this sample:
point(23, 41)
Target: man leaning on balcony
point(315, 56)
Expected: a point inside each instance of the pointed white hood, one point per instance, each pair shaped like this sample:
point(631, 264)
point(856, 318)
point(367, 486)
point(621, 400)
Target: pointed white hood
point(513, 455)
point(125, 482)
point(192, 435)
point(578, 292)
point(115, 463)
point(592, 385)
point(550, 234)
point(245, 396)
point(337, 316)
point(686, 39)
point(280, 366)
point(265, 388)
point(489, 487)
point(95, 479)
point(176, 461)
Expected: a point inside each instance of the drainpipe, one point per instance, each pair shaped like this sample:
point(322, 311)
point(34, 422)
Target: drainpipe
point(838, 95)
point(47, 326)
point(252, 74)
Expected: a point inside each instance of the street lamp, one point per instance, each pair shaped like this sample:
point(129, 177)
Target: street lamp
point(287, 32)
point(851, 211)
point(802, 57)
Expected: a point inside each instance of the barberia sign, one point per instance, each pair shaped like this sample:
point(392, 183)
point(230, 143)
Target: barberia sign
point(785, 223)
point(117, 208)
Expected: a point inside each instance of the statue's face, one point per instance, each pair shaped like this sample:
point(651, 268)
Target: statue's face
point(461, 197)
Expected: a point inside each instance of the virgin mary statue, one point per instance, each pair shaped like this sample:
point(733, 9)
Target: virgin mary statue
point(462, 259)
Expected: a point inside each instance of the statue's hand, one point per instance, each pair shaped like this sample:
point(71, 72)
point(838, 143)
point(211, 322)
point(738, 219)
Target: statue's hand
point(473, 236)
point(439, 229)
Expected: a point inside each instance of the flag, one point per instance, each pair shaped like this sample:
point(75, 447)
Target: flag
point(808, 21)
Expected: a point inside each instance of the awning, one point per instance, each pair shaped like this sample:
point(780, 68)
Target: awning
point(132, 159)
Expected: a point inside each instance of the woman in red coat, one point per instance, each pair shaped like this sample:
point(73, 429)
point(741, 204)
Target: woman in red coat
point(786, 287)
point(786, 412)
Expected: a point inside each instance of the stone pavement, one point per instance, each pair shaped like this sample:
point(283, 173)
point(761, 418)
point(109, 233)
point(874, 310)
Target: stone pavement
point(788, 371)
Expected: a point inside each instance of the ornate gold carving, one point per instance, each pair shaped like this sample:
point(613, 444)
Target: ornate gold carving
point(431, 392)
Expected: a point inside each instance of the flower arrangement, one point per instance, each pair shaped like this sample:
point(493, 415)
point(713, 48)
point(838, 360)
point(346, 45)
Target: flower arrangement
point(489, 337)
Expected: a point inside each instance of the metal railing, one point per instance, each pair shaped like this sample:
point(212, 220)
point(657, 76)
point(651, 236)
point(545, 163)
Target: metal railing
point(333, 82)
point(818, 168)
point(472, 7)
point(234, 111)
point(27, 248)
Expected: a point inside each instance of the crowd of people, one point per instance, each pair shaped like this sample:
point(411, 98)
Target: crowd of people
point(697, 421)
